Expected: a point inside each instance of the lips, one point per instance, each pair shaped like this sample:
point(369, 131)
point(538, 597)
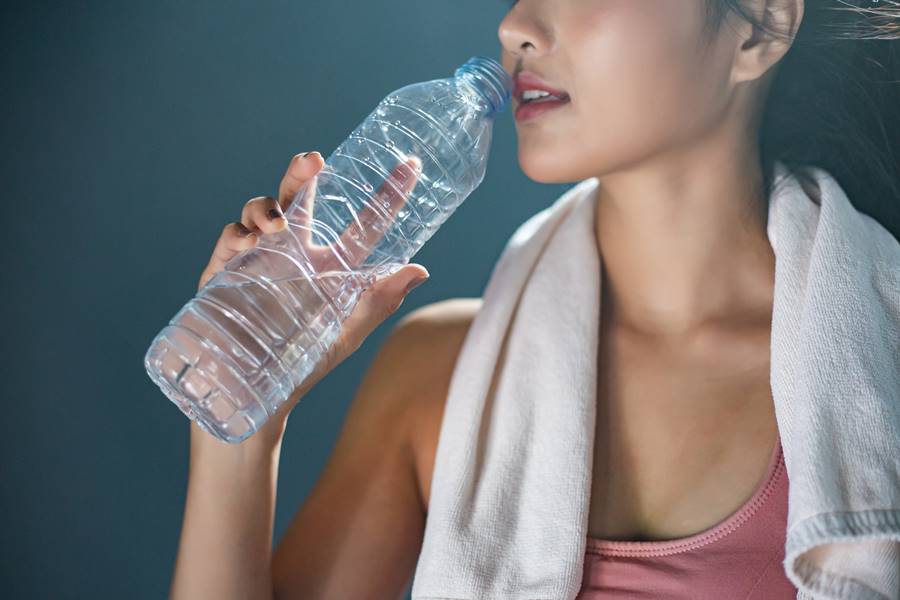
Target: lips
point(526, 111)
point(526, 80)
point(532, 110)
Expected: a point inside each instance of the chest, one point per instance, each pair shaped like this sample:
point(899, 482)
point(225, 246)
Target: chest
point(682, 438)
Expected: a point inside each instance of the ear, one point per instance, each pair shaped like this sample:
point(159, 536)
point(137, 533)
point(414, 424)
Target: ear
point(759, 49)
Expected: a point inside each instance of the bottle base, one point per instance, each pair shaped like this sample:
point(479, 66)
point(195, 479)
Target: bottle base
point(191, 386)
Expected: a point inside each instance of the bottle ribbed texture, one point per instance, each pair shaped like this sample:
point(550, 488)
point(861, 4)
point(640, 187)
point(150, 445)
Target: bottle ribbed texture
point(234, 353)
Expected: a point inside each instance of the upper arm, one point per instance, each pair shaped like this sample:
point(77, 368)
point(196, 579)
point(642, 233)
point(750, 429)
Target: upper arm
point(359, 532)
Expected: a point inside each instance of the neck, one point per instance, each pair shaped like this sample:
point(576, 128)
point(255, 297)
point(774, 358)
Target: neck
point(683, 241)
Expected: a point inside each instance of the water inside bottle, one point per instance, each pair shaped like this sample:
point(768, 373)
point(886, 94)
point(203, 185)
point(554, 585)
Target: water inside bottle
point(251, 337)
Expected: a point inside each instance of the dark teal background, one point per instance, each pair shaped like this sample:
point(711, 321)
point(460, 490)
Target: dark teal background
point(133, 132)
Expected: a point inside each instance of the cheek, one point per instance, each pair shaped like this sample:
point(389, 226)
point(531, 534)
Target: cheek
point(641, 84)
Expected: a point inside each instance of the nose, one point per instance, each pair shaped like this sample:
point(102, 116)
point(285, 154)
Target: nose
point(521, 29)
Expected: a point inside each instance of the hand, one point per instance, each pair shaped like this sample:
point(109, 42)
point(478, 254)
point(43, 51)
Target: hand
point(264, 214)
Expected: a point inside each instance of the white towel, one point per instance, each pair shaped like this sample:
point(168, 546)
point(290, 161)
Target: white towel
point(511, 484)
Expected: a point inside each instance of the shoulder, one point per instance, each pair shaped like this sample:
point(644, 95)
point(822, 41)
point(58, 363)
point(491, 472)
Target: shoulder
point(428, 338)
point(452, 313)
point(415, 362)
point(379, 467)
point(410, 371)
point(424, 346)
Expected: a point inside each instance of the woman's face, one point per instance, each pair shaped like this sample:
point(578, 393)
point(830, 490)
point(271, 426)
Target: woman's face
point(640, 79)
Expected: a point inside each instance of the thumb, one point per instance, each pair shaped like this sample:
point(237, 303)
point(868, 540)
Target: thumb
point(386, 293)
point(401, 281)
point(378, 302)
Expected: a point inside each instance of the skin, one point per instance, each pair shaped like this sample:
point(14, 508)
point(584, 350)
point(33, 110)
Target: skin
point(685, 421)
point(668, 125)
point(225, 547)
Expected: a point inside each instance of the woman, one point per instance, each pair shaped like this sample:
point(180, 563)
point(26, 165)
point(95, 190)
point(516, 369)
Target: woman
point(680, 109)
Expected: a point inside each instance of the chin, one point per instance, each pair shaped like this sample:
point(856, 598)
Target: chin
point(545, 167)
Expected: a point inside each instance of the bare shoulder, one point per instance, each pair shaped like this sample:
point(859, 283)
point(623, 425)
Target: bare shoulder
point(431, 337)
point(427, 340)
point(447, 313)
point(359, 531)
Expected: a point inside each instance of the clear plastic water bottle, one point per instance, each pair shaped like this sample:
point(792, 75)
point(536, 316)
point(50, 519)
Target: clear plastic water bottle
point(235, 352)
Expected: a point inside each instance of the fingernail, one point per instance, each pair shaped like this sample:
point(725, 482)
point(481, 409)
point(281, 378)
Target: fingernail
point(414, 283)
point(274, 214)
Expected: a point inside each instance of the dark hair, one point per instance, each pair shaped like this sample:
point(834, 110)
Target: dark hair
point(835, 100)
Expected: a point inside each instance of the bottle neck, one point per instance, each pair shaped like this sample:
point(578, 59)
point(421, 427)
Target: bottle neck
point(489, 79)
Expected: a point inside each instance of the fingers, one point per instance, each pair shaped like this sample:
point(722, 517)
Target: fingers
point(301, 169)
point(263, 215)
point(301, 172)
point(360, 236)
point(235, 238)
point(378, 302)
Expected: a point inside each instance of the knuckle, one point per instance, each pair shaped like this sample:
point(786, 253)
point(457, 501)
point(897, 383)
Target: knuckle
point(236, 230)
point(255, 200)
point(259, 205)
point(373, 296)
point(385, 304)
point(340, 349)
point(395, 306)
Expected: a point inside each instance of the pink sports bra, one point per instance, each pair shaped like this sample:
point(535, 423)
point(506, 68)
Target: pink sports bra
point(741, 557)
